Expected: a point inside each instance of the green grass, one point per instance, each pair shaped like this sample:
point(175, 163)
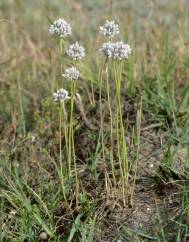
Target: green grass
point(155, 104)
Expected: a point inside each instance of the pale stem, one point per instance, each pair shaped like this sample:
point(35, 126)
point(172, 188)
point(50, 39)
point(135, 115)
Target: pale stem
point(111, 123)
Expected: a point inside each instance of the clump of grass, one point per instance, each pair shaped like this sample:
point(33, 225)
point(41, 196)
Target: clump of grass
point(115, 53)
point(62, 29)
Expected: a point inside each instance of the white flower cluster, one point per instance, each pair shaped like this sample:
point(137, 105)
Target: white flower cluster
point(118, 50)
point(71, 73)
point(61, 95)
point(121, 50)
point(107, 49)
point(109, 29)
point(76, 51)
point(60, 28)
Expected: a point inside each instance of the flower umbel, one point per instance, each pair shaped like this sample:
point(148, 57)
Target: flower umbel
point(121, 50)
point(60, 28)
point(61, 95)
point(107, 49)
point(118, 50)
point(76, 51)
point(71, 73)
point(109, 29)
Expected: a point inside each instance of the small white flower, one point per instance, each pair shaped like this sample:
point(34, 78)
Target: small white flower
point(76, 51)
point(33, 138)
point(151, 165)
point(107, 49)
point(60, 28)
point(71, 73)
point(117, 50)
point(43, 236)
point(13, 212)
point(61, 95)
point(109, 29)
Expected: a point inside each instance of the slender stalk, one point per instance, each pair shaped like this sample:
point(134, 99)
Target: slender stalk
point(73, 148)
point(60, 152)
point(70, 132)
point(118, 131)
point(102, 130)
point(60, 137)
point(122, 146)
point(75, 170)
point(65, 129)
point(61, 50)
point(117, 120)
point(71, 145)
point(111, 124)
point(61, 55)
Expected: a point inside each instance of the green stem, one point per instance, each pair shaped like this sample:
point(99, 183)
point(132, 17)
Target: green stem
point(70, 133)
point(102, 131)
point(65, 129)
point(71, 147)
point(73, 150)
point(60, 136)
point(61, 55)
point(60, 154)
point(124, 145)
point(117, 120)
point(120, 130)
point(111, 123)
